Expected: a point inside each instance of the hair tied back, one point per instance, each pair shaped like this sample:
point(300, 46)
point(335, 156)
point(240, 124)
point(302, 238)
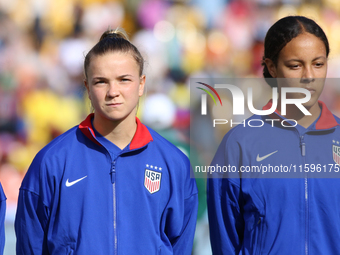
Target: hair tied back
point(114, 33)
point(114, 40)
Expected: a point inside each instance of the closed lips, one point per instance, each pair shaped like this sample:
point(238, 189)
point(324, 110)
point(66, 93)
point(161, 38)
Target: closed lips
point(311, 90)
point(115, 104)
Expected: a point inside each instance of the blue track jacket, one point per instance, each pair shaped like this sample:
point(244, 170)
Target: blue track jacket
point(76, 198)
point(2, 219)
point(277, 215)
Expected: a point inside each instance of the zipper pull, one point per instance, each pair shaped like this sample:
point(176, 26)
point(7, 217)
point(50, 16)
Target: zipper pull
point(113, 172)
point(303, 147)
point(113, 167)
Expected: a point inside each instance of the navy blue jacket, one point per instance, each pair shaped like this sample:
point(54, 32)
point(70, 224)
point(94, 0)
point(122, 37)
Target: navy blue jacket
point(77, 199)
point(295, 213)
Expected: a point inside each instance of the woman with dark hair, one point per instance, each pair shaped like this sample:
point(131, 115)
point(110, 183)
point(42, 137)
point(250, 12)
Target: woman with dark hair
point(295, 214)
point(110, 185)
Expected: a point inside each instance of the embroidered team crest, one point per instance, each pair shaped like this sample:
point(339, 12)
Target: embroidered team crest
point(152, 180)
point(336, 153)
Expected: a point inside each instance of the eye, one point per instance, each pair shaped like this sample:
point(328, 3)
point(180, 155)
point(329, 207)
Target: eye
point(125, 80)
point(319, 64)
point(294, 66)
point(99, 82)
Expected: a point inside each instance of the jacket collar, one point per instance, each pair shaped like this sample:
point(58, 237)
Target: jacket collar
point(141, 138)
point(326, 120)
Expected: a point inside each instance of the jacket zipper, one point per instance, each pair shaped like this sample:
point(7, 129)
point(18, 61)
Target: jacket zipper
point(303, 153)
point(113, 176)
point(113, 180)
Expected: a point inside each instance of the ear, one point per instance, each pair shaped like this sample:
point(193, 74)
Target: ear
point(141, 85)
point(271, 67)
point(87, 88)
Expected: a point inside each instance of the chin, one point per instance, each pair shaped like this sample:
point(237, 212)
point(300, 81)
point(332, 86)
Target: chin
point(310, 104)
point(117, 118)
point(110, 117)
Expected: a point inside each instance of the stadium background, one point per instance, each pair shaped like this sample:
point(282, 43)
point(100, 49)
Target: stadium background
point(42, 48)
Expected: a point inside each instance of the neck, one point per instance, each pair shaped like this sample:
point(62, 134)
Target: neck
point(295, 113)
point(119, 132)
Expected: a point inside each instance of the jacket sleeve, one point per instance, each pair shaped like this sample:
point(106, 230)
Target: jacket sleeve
point(181, 212)
point(33, 214)
point(224, 200)
point(183, 244)
point(2, 219)
point(30, 224)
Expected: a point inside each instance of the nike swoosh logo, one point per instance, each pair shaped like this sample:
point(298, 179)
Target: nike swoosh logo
point(258, 158)
point(69, 184)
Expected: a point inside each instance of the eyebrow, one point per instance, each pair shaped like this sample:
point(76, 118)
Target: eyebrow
point(125, 75)
point(299, 60)
point(98, 78)
point(121, 76)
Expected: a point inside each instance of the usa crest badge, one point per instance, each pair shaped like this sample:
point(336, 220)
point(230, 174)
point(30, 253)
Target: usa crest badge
point(152, 180)
point(336, 154)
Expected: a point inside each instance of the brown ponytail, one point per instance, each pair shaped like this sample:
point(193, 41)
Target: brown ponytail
point(114, 40)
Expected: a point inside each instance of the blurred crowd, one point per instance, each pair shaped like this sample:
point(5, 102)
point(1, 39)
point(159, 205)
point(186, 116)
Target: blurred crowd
point(42, 49)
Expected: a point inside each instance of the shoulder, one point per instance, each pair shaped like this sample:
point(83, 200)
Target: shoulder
point(164, 146)
point(249, 129)
point(175, 159)
point(48, 158)
point(177, 163)
point(58, 144)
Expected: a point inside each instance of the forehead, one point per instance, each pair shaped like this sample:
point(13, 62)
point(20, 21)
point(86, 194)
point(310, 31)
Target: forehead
point(304, 46)
point(113, 62)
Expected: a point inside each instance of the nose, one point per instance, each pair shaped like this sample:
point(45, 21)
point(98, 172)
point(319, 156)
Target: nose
point(113, 90)
point(308, 75)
